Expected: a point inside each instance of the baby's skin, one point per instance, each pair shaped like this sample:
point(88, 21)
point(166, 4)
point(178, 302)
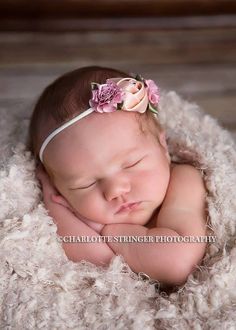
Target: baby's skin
point(103, 162)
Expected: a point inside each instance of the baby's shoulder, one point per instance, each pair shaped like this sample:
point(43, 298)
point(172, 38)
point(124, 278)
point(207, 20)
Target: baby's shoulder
point(186, 187)
point(185, 172)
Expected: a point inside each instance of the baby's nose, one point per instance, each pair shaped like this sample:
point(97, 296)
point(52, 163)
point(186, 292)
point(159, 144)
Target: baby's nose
point(116, 186)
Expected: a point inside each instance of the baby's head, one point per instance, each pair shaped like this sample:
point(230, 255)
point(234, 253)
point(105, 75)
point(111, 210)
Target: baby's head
point(103, 160)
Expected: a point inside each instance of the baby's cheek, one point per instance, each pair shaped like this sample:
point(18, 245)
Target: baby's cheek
point(145, 178)
point(74, 200)
point(89, 206)
point(153, 182)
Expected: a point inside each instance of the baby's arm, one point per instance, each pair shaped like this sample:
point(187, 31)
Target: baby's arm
point(70, 225)
point(182, 214)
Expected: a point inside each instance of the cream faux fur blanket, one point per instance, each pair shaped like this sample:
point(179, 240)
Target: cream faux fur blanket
point(41, 289)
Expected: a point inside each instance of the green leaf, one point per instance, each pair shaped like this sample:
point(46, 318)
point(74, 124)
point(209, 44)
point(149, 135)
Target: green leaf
point(152, 108)
point(120, 105)
point(94, 85)
point(139, 78)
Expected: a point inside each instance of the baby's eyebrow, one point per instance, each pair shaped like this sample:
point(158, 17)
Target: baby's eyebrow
point(124, 153)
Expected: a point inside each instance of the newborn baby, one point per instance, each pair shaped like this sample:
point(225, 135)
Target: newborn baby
point(108, 173)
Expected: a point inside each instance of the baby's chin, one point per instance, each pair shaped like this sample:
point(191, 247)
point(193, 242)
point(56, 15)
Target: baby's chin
point(136, 217)
point(140, 217)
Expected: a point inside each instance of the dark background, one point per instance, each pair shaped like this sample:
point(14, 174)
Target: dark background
point(186, 46)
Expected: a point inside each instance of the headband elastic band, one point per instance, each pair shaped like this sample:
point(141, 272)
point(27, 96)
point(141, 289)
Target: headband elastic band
point(59, 129)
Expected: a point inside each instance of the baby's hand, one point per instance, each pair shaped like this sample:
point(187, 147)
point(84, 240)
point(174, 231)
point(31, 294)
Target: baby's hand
point(48, 188)
point(70, 225)
point(54, 201)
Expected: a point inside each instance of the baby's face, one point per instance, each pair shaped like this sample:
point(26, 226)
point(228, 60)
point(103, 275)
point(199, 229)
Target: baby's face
point(104, 161)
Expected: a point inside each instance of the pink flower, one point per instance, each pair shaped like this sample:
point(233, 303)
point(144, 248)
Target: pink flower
point(135, 96)
point(106, 97)
point(153, 93)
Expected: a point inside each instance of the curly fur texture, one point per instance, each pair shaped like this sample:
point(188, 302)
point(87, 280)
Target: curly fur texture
point(41, 289)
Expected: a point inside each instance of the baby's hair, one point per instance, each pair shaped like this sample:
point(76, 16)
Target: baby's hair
point(67, 97)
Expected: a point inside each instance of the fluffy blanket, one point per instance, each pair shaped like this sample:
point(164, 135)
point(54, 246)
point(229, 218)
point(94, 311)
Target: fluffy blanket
point(41, 289)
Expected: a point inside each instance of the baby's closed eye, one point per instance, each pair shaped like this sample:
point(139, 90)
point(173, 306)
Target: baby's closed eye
point(87, 186)
point(132, 164)
point(126, 166)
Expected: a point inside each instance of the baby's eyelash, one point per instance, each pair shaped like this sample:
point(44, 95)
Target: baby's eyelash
point(87, 186)
point(134, 163)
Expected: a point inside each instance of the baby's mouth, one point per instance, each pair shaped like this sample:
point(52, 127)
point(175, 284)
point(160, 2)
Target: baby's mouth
point(128, 207)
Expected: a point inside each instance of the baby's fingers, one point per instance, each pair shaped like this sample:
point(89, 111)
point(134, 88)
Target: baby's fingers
point(45, 181)
point(40, 173)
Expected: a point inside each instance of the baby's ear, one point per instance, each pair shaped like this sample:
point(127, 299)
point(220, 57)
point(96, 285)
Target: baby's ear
point(162, 140)
point(59, 199)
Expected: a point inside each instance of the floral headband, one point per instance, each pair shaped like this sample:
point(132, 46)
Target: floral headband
point(128, 94)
